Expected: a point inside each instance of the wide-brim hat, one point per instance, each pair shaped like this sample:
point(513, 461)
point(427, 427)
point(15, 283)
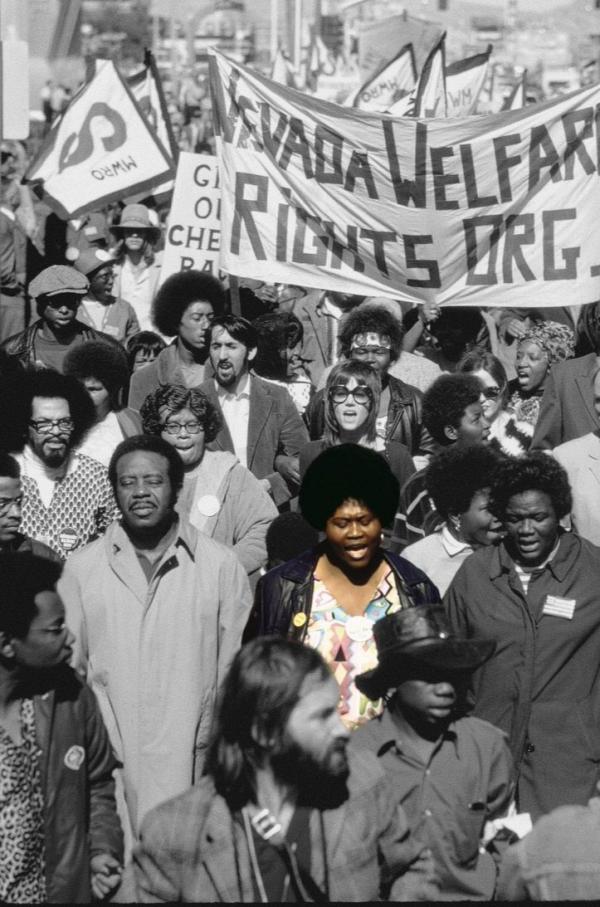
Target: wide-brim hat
point(419, 637)
point(136, 217)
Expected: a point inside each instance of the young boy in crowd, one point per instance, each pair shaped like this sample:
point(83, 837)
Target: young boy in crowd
point(60, 837)
point(451, 773)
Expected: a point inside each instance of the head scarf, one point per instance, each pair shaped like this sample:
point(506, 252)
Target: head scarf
point(556, 340)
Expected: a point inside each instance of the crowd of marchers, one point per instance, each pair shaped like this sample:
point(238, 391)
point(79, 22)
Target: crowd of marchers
point(299, 590)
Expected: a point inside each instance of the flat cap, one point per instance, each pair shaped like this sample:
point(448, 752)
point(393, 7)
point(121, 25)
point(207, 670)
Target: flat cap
point(58, 279)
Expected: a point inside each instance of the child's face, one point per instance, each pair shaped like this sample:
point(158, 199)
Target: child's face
point(49, 641)
point(431, 697)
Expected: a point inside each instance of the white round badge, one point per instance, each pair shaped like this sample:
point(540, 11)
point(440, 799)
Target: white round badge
point(360, 629)
point(208, 505)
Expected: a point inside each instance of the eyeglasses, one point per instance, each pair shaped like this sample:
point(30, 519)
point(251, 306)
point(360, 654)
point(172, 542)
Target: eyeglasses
point(491, 393)
point(361, 395)
point(7, 503)
point(45, 426)
point(192, 427)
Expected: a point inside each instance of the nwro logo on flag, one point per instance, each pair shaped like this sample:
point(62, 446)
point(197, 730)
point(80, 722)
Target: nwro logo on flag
point(101, 149)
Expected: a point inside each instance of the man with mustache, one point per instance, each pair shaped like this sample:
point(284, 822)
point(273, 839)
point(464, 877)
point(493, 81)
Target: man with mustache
point(67, 498)
point(284, 812)
point(261, 424)
point(158, 610)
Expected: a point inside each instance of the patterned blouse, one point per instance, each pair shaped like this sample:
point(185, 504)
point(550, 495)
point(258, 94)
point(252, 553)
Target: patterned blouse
point(347, 645)
point(22, 872)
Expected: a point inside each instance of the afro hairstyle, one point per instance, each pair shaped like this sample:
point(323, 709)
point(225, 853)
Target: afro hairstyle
point(46, 382)
point(348, 472)
point(178, 292)
point(107, 362)
point(445, 402)
point(535, 471)
point(456, 473)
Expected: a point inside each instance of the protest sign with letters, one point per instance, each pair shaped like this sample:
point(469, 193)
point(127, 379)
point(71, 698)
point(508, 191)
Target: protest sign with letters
point(101, 149)
point(487, 211)
point(194, 230)
point(464, 81)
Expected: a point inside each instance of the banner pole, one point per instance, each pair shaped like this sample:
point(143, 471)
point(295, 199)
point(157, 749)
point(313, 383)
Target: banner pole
point(234, 295)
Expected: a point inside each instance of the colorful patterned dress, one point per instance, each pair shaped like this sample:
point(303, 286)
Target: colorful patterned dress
point(346, 643)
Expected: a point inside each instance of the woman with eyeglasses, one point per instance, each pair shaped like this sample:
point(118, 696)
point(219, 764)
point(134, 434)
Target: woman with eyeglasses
point(507, 432)
point(220, 497)
point(352, 396)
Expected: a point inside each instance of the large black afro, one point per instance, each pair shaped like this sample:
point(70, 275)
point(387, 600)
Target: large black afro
point(457, 472)
point(348, 472)
point(176, 294)
point(445, 402)
point(103, 361)
point(534, 472)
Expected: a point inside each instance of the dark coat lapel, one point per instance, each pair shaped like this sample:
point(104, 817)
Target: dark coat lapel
point(261, 405)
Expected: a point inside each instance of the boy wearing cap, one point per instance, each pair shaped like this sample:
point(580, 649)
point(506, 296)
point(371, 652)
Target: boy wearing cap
point(57, 291)
point(452, 773)
point(99, 308)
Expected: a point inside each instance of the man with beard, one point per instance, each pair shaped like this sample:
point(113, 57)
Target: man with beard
point(283, 813)
point(67, 498)
point(261, 424)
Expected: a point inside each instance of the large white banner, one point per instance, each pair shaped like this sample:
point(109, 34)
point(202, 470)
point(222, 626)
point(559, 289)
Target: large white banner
point(194, 229)
point(490, 211)
point(101, 149)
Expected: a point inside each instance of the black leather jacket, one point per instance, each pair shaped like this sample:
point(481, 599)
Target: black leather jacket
point(288, 589)
point(403, 418)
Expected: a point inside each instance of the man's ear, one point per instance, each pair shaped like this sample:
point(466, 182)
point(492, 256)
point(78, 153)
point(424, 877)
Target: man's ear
point(252, 353)
point(451, 432)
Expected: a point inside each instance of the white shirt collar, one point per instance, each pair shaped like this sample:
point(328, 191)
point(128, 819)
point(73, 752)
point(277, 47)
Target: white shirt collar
point(452, 545)
point(242, 391)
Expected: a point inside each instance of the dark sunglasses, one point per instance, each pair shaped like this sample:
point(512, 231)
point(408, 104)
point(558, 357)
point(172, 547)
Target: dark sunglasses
point(491, 393)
